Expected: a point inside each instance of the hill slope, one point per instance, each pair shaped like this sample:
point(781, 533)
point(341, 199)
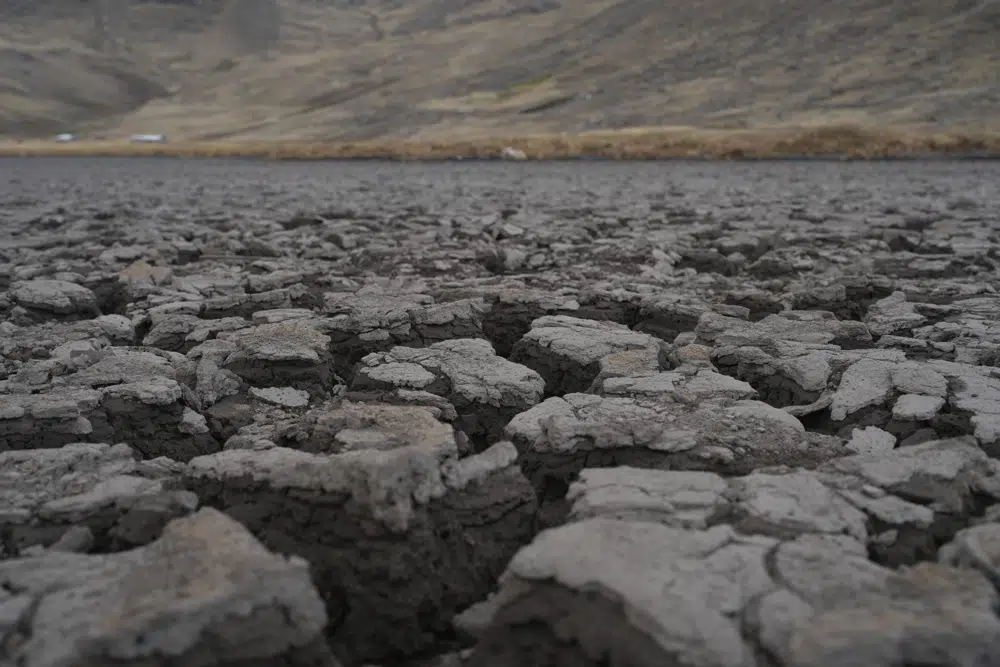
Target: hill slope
point(357, 69)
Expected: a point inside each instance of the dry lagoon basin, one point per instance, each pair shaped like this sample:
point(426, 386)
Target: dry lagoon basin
point(496, 414)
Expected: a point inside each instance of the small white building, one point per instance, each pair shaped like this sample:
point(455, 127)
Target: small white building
point(65, 138)
point(511, 153)
point(149, 138)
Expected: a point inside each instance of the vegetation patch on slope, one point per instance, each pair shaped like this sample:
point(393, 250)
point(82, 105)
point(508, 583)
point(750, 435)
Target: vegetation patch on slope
point(636, 144)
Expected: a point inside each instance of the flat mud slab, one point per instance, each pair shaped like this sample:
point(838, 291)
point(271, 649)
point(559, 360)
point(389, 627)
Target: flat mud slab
point(495, 415)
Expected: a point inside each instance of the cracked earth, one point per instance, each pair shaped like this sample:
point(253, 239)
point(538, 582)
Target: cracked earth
point(497, 415)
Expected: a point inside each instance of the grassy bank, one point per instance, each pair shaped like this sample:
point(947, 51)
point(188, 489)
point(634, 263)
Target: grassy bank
point(632, 144)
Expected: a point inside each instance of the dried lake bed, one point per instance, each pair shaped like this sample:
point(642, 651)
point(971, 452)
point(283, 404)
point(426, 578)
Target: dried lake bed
point(499, 414)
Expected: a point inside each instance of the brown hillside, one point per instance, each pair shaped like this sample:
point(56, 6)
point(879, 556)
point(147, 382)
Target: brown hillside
point(357, 69)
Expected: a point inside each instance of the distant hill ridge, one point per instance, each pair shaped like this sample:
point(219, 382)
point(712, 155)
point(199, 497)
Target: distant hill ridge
point(364, 69)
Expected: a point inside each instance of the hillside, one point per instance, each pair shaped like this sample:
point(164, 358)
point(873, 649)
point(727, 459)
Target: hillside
point(362, 69)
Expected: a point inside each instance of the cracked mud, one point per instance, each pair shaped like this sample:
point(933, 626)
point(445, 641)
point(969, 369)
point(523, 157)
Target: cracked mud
point(622, 415)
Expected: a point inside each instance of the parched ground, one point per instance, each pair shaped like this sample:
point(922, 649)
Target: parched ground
point(308, 70)
point(499, 414)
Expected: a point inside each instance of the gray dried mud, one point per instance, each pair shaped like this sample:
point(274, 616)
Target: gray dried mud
point(495, 415)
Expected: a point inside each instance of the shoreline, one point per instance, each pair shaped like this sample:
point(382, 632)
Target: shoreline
point(823, 142)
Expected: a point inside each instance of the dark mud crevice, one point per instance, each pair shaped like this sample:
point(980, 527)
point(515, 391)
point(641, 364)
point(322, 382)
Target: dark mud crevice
point(896, 547)
point(948, 423)
point(909, 432)
point(666, 329)
point(228, 415)
point(112, 297)
point(862, 292)
point(909, 545)
point(759, 304)
point(873, 415)
point(853, 343)
point(599, 308)
point(551, 475)
point(774, 389)
point(952, 422)
point(505, 325)
point(390, 596)
point(594, 633)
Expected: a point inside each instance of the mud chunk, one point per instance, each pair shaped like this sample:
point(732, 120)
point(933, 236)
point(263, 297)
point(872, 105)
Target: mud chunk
point(605, 591)
point(205, 593)
point(54, 299)
point(282, 315)
point(125, 395)
point(510, 311)
point(340, 426)
point(793, 374)
point(371, 321)
point(928, 609)
point(272, 281)
point(866, 383)
point(799, 326)
point(142, 273)
point(677, 498)
point(561, 436)
point(284, 396)
point(871, 440)
point(703, 385)
point(918, 349)
point(943, 471)
point(893, 315)
point(485, 390)
point(76, 540)
point(657, 596)
point(786, 505)
point(916, 407)
point(286, 354)
point(908, 265)
point(691, 356)
point(566, 351)
point(843, 389)
point(841, 500)
point(792, 504)
point(974, 391)
point(180, 332)
point(52, 419)
point(45, 492)
point(899, 503)
point(400, 532)
point(629, 363)
point(973, 331)
point(978, 548)
point(65, 340)
point(951, 398)
point(143, 403)
point(832, 298)
point(245, 305)
point(122, 367)
point(919, 379)
point(917, 496)
point(212, 383)
point(667, 316)
point(758, 302)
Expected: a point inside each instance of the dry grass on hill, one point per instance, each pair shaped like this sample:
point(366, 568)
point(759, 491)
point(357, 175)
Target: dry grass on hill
point(636, 144)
